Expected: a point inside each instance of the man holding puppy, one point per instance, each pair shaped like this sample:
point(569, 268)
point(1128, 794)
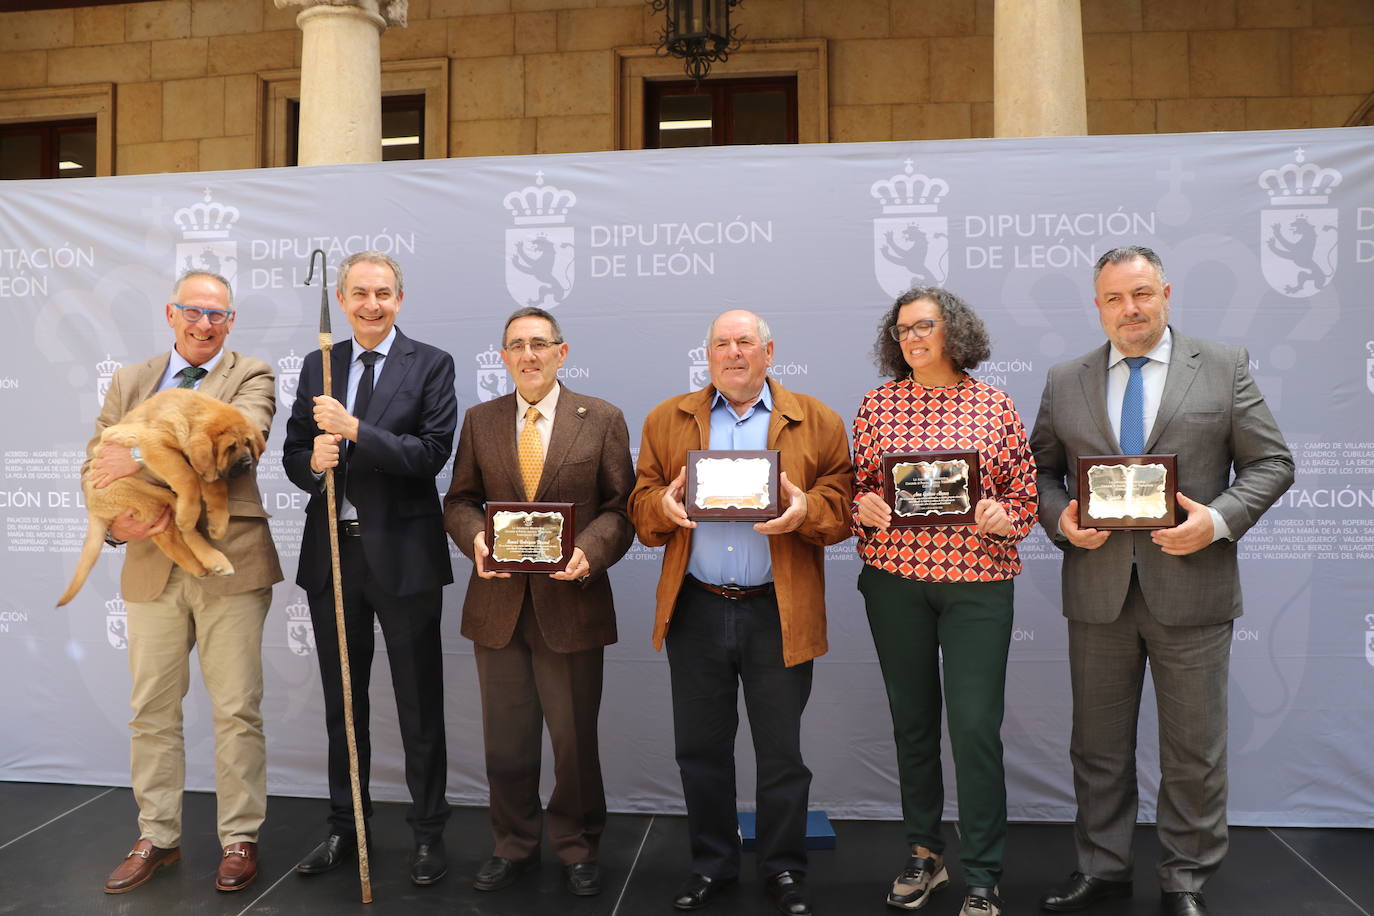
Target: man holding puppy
point(170, 611)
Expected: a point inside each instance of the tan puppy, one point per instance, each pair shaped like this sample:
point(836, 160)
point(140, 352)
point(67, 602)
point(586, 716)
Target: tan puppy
point(191, 444)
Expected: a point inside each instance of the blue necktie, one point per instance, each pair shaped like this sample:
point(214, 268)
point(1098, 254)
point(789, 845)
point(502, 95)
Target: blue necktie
point(1133, 408)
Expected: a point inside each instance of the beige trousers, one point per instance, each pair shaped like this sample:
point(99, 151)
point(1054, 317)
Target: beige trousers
point(227, 631)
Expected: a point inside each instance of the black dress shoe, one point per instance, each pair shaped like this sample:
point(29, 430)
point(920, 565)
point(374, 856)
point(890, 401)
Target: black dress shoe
point(698, 890)
point(336, 849)
point(497, 872)
point(582, 879)
point(1184, 903)
point(787, 890)
point(1082, 891)
point(429, 863)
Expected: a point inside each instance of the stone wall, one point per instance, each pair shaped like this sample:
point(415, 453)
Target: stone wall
point(536, 76)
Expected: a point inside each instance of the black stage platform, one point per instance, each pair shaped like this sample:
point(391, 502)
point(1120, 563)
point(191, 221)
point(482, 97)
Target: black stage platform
point(58, 842)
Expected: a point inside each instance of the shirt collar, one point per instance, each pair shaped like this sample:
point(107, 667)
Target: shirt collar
point(178, 362)
point(1159, 354)
point(381, 349)
point(546, 406)
point(765, 399)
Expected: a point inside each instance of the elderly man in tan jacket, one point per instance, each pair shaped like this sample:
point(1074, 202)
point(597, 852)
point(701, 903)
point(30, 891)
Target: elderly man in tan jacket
point(170, 611)
point(741, 602)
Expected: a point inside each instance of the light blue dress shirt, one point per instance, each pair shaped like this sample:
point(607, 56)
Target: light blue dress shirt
point(733, 553)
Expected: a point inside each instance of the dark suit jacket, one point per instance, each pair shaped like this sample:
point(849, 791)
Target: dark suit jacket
point(247, 384)
point(588, 464)
point(1213, 417)
point(403, 442)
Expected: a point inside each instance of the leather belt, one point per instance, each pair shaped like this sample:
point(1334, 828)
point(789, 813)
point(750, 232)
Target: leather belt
point(733, 592)
point(350, 528)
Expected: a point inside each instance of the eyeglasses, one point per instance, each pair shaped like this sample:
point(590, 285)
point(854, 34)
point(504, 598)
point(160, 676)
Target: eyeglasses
point(537, 344)
point(193, 313)
point(922, 328)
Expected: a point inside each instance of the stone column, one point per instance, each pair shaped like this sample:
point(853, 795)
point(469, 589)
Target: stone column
point(341, 77)
point(1037, 69)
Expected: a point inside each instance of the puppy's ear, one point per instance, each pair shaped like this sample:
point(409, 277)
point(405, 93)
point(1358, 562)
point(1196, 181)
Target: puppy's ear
point(257, 443)
point(201, 453)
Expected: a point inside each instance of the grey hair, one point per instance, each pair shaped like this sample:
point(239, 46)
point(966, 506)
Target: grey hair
point(371, 257)
point(189, 274)
point(765, 333)
point(1130, 253)
point(531, 311)
point(966, 339)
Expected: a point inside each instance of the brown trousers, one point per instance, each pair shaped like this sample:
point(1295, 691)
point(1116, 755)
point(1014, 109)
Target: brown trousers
point(524, 685)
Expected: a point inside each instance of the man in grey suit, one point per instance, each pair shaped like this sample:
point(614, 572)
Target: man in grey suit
point(540, 638)
point(1169, 595)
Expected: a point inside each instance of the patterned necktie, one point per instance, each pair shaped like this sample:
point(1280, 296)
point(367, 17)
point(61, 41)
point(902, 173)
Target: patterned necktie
point(190, 375)
point(1133, 408)
point(531, 453)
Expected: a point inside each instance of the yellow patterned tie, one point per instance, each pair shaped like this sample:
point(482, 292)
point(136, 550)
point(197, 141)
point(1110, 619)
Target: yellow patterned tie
point(531, 447)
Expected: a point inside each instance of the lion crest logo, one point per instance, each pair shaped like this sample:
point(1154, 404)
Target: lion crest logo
point(540, 250)
point(205, 243)
point(1297, 232)
point(910, 242)
point(117, 623)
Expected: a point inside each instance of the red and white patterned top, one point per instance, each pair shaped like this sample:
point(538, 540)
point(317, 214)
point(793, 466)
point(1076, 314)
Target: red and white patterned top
point(902, 416)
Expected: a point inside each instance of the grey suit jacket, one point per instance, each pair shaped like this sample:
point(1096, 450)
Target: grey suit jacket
point(588, 464)
point(1213, 417)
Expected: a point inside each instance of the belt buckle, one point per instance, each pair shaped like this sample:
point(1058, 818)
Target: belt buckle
point(733, 592)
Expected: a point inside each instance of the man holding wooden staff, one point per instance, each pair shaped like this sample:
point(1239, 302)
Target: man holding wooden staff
point(387, 432)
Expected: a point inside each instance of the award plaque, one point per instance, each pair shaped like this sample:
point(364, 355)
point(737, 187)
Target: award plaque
point(733, 486)
point(931, 488)
point(529, 537)
point(1127, 491)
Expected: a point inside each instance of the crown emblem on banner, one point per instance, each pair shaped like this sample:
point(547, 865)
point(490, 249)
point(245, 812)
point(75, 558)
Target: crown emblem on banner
point(910, 191)
point(1299, 183)
point(697, 354)
point(298, 610)
point(108, 365)
point(116, 606)
point(291, 362)
point(540, 204)
point(491, 359)
point(206, 220)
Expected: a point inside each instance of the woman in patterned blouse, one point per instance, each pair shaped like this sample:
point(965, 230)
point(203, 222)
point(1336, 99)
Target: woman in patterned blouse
point(943, 587)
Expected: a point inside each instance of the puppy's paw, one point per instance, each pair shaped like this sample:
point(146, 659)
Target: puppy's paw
point(218, 565)
point(217, 530)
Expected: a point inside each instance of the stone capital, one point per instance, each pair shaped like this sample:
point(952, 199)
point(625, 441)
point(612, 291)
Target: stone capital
point(389, 12)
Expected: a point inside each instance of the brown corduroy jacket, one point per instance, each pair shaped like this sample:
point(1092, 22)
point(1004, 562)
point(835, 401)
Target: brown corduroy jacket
point(815, 456)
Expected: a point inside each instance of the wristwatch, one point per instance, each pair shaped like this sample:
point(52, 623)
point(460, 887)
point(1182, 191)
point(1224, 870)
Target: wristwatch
point(135, 454)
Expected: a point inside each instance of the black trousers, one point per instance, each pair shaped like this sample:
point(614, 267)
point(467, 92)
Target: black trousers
point(410, 626)
point(714, 645)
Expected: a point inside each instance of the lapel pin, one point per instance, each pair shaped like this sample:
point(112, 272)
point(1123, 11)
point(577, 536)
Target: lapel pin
point(581, 411)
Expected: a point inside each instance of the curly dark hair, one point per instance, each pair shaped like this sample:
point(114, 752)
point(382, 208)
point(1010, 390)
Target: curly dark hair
point(966, 339)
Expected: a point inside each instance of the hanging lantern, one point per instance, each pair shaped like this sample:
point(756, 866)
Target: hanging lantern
point(698, 31)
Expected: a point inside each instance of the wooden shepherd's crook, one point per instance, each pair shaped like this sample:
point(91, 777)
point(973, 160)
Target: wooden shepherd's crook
point(326, 345)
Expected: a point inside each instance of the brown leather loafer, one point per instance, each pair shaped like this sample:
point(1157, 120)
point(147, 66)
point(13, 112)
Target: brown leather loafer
point(238, 867)
point(139, 865)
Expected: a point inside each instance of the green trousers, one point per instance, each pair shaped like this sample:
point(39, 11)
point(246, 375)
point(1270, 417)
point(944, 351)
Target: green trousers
point(970, 622)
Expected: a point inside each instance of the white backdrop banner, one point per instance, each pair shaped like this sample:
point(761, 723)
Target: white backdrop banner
point(1268, 239)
